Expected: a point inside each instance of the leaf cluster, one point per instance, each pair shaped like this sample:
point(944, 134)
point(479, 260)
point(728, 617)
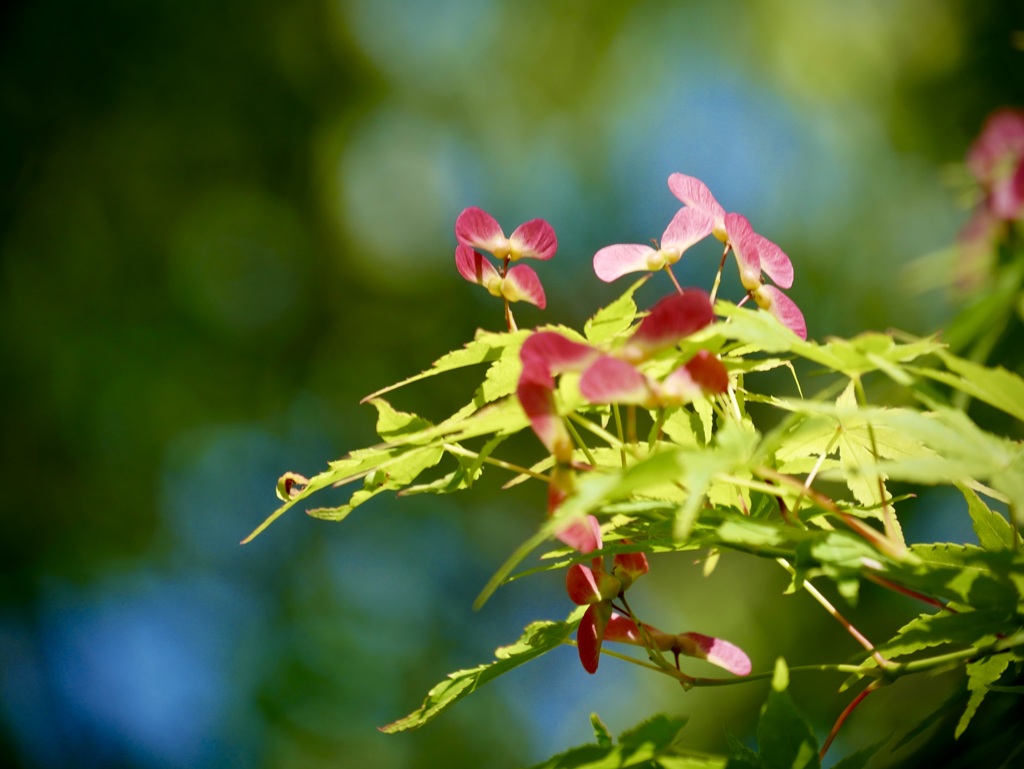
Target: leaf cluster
point(709, 476)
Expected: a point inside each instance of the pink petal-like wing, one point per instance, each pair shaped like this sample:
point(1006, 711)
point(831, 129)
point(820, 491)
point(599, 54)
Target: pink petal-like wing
point(688, 226)
point(703, 374)
point(583, 534)
point(679, 388)
point(715, 651)
point(782, 307)
point(536, 392)
point(534, 239)
point(586, 586)
point(555, 353)
point(774, 262)
point(624, 630)
point(1002, 135)
point(477, 228)
point(610, 380)
point(543, 355)
point(522, 285)
point(744, 242)
point(474, 266)
point(671, 319)
point(693, 192)
point(633, 564)
point(581, 585)
point(590, 634)
point(612, 262)
point(737, 226)
point(708, 372)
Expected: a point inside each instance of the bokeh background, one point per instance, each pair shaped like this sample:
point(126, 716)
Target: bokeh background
point(223, 223)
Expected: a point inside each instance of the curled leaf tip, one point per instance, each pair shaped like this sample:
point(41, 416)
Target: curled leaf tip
point(291, 484)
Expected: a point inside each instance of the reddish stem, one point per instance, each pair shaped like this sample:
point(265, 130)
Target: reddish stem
point(876, 538)
point(510, 321)
point(827, 605)
point(843, 716)
point(908, 592)
point(668, 269)
point(718, 275)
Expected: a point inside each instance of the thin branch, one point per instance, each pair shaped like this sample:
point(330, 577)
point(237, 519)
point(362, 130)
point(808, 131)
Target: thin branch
point(510, 320)
point(579, 442)
point(844, 715)
point(675, 282)
point(618, 429)
point(836, 615)
point(631, 424)
point(718, 275)
point(876, 538)
point(814, 470)
point(454, 448)
point(907, 592)
point(735, 680)
point(600, 432)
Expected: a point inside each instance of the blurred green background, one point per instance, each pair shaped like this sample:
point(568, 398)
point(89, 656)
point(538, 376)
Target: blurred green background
point(223, 223)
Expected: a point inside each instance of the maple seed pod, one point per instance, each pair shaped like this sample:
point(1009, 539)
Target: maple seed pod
point(589, 586)
point(628, 567)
